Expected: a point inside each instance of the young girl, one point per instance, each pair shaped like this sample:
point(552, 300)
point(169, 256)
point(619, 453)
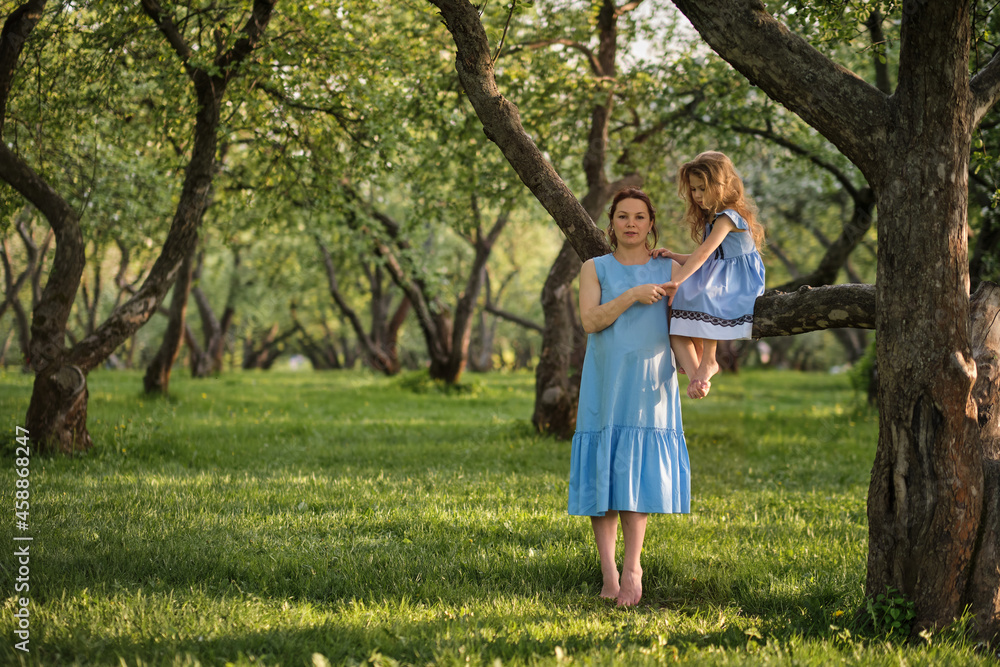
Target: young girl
point(713, 293)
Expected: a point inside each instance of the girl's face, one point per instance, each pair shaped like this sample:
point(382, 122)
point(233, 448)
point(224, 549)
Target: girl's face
point(697, 185)
point(632, 223)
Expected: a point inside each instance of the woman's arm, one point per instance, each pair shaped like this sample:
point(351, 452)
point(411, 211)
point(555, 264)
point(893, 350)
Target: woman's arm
point(597, 316)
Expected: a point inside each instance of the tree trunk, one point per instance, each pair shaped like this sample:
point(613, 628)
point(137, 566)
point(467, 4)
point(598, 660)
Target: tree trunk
point(57, 412)
point(156, 381)
point(379, 358)
point(560, 362)
point(983, 592)
point(925, 496)
point(461, 324)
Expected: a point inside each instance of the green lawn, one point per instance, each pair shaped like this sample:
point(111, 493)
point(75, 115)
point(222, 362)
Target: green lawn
point(313, 518)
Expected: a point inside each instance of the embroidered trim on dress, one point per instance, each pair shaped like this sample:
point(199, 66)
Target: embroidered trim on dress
point(711, 319)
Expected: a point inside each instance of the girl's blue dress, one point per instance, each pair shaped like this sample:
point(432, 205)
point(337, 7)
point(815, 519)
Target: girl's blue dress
point(629, 451)
point(716, 301)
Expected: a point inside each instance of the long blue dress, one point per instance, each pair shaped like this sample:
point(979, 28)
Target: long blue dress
point(716, 301)
point(629, 451)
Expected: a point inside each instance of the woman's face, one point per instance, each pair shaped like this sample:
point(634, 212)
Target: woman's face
point(631, 223)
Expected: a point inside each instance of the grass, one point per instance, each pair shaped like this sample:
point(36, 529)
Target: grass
point(289, 518)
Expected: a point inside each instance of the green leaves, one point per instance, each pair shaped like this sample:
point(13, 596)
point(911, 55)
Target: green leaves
point(890, 613)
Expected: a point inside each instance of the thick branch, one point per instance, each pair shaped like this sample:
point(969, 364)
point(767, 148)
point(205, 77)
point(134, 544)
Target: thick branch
point(15, 33)
point(253, 30)
point(170, 31)
point(985, 88)
point(502, 124)
point(814, 309)
point(844, 108)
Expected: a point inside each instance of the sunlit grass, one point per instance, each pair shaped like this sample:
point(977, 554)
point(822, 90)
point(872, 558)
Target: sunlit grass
point(296, 518)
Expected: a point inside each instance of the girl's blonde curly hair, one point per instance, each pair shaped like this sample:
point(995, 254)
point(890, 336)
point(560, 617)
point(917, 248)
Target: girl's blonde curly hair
point(723, 189)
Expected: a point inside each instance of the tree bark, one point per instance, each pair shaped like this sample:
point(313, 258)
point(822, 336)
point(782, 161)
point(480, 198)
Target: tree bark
point(156, 381)
point(814, 309)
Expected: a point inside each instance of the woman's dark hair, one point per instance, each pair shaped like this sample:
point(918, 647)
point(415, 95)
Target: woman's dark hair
point(632, 193)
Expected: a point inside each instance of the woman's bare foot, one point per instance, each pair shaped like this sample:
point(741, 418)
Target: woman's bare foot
point(610, 590)
point(631, 588)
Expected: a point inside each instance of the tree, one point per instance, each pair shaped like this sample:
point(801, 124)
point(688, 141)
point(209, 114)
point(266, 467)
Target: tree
point(607, 166)
point(931, 536)
point(57, 412)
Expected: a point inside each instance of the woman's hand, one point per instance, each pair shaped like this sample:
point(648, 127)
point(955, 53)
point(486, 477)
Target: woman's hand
point(649, 293)
point(661, 253)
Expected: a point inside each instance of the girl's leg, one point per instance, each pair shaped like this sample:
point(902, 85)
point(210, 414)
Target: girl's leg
point(634, 530)
point(707, 368)
point(687, 351)
point(605, 533)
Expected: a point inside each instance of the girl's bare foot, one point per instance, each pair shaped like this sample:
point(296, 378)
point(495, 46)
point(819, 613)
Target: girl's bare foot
point(631, 588)
point(701, 379)
point(698, 389)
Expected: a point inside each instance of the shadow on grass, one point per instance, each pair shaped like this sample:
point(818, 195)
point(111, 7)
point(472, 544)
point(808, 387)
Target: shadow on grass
point(483, 629)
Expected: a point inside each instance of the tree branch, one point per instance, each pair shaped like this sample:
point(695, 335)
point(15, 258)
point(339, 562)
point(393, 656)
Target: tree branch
point(502, 124)
point(170, 31)
point(587, 52)
point(775, 138)
point(844, 108)
point(814, 309)
point(15, 33)
point(511, 317)
point(627, 7)
point(985, 88)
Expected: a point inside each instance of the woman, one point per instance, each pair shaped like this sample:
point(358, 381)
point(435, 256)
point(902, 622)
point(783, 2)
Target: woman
point(629, 457)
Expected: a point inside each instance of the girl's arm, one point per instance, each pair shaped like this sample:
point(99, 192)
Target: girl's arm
point(723, 225)
point(597, 316)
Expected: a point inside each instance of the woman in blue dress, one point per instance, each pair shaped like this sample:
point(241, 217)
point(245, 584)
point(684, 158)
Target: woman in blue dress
point(629, 458)
point(713, 293)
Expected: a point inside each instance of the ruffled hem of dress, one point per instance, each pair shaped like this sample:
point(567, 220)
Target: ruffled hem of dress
point(702, 325)
point(629, 468)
